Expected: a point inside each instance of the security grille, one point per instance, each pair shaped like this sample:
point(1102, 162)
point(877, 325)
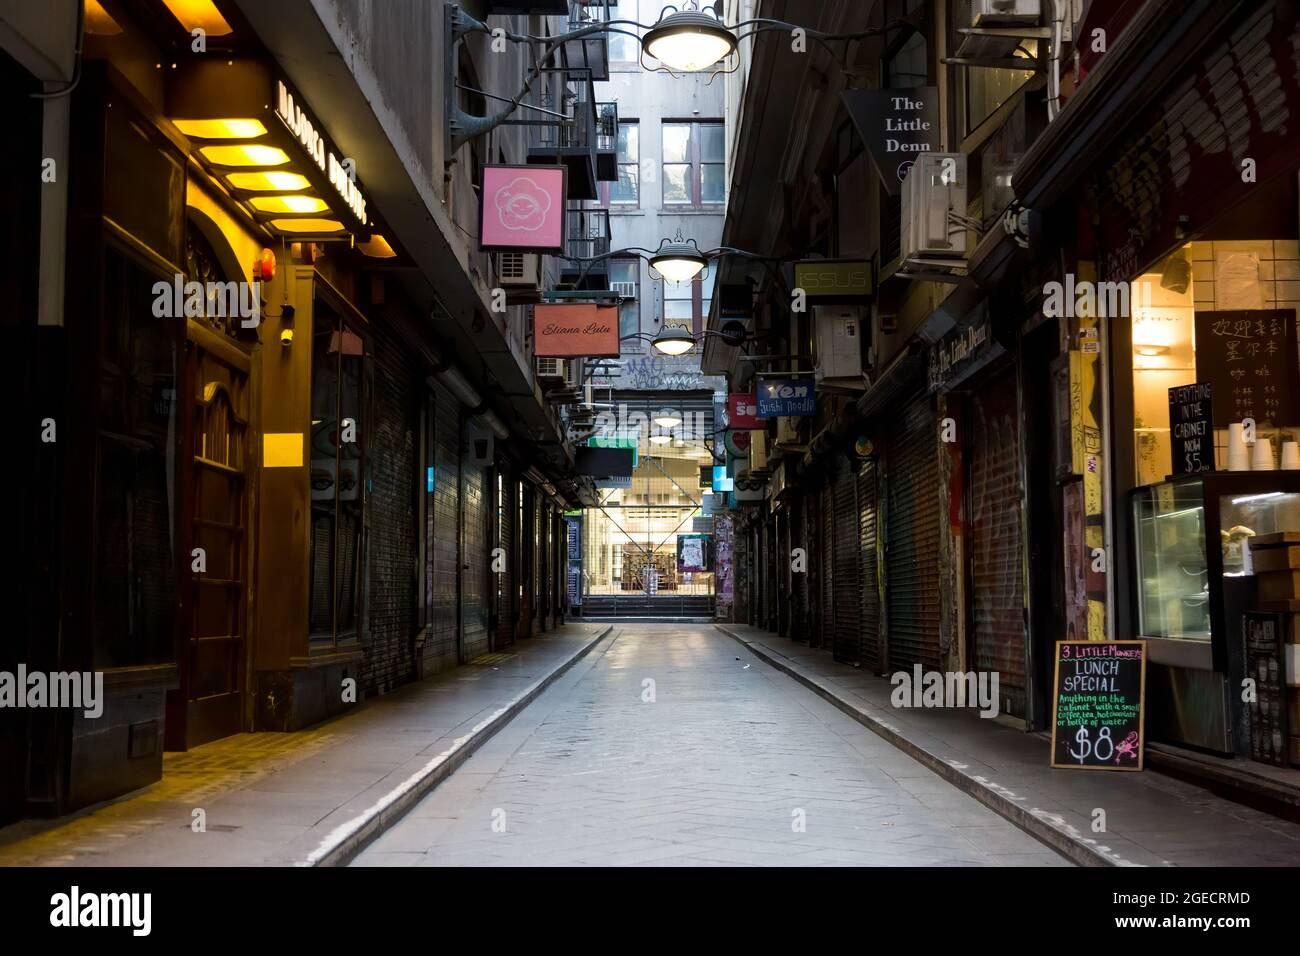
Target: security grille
point(847, 574)
point(912, 545)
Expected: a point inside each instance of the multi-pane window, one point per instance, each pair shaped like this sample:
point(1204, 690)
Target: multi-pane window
point(627, 191)
point(686, 304)
point(624, 278)
point(695, 171)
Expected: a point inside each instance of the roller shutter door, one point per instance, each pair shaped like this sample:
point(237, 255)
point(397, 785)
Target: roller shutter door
point(825, 568)
point(912, 544)
point(996, 555)
point(846, 575)
point(869, 525)
point(507, 598)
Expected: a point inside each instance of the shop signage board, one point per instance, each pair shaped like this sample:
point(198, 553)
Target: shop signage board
point(1265, 666)
point(737, 443)
point(604, 462)
point(964, 351)
point(736, 300)
point(1250, 360)
point(575, 331)
point(521, 208)
point(835, 281)
point(742, 410)
point(896, 125)
point(1098, 707)
point(1191, 429)
point(787, 397)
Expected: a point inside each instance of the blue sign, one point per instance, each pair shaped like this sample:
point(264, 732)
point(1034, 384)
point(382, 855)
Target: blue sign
point(787, 396)
point(721, 482)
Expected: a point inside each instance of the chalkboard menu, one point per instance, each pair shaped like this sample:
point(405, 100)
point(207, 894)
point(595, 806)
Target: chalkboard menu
point(1097, 714)
point(1264, 665)
point(1191, 433)
point(1250, 360)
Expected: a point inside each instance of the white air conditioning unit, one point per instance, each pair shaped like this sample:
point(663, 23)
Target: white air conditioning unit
point(553, 370)
point(934, 196)
point(839, 340)
point(625, 290)
point(519, 270)
point(1004, 13)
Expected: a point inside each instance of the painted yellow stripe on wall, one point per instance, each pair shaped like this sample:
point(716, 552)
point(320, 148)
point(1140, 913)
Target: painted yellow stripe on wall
point(282, 450)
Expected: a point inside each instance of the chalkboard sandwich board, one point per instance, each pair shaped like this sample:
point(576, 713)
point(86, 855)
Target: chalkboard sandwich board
point(1098, 705)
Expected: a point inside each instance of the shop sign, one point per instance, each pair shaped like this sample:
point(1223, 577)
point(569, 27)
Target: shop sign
point(749, 490)
point(521, 208)
point(341, 173)
point(737, 443)
point(896, 125)
point(736, 301)
point(1191, 429)
point(575, 331)
point(1098, 705)
point(603, 462)
point(787, 397)
point(835, 281)
point(963, 351)
point(1250, 359)
point(742, 410)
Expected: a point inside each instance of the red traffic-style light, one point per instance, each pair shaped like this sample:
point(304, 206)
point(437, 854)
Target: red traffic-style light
point(266, 265)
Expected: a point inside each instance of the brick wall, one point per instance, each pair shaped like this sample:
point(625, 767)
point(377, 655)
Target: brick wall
point(392, 450)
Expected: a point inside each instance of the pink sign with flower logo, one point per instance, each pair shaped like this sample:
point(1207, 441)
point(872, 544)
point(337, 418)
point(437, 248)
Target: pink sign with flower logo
point(522, 207)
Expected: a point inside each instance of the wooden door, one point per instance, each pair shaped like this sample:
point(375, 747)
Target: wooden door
point(212, 631)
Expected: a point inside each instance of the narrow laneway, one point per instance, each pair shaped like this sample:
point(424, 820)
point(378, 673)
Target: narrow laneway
point(673, 745)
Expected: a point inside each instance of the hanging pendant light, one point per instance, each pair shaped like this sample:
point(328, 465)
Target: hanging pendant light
point(673, 340)
point(689, 41)
point(679, 260)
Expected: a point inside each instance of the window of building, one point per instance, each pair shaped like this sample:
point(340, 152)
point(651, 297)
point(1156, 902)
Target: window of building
point(337, 432)
point(694, 164)
point(624, 48)
point(627, 191)
point(625, 279)
point(686, 304)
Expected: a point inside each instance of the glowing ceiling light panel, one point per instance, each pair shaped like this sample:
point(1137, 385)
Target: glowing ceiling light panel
point(245, 154)
point(268, 182)
point(307, 226)
point(221, 128)
point(199, 15)
point(289, 204)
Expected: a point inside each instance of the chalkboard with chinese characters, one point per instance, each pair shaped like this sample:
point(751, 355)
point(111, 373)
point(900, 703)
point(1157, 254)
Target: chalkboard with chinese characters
point(1250, 360)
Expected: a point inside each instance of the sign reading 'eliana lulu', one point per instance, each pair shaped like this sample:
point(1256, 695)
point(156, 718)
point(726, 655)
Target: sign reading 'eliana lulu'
point(575, 331)
point(896, 125)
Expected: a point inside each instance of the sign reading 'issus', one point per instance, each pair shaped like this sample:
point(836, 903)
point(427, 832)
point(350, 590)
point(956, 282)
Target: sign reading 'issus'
point(521, 208)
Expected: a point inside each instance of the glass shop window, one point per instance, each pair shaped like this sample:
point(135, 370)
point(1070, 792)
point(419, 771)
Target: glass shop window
point(337, 452)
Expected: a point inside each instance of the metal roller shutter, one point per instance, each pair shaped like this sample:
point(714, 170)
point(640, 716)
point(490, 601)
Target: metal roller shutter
point(825, 561)
point(798, 581)
point(912, 543)
point(869, 525)
point(507, 595)
point(847, 574)
point(996, 562)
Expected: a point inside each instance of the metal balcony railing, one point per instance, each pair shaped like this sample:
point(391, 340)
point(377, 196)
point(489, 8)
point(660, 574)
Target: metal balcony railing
point(607, 142)
point(590, 52)
point(564, 101)
point(587, 233)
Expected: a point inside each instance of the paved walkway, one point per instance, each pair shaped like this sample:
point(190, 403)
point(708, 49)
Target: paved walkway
point(1151, 819)
point(277, 799)
point(731, 763)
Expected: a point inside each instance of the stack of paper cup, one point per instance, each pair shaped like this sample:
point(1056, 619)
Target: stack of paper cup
point(1291, 456)
point(1262, 458)
point(1238, 452)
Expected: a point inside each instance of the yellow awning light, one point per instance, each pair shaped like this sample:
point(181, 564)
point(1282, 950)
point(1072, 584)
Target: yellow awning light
point(99, 22)
point(267, 182)
point(307, 226)
point(295, 204)
point(199, 15)
point(377, 248)
point(221, 128)
point(245, 154)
